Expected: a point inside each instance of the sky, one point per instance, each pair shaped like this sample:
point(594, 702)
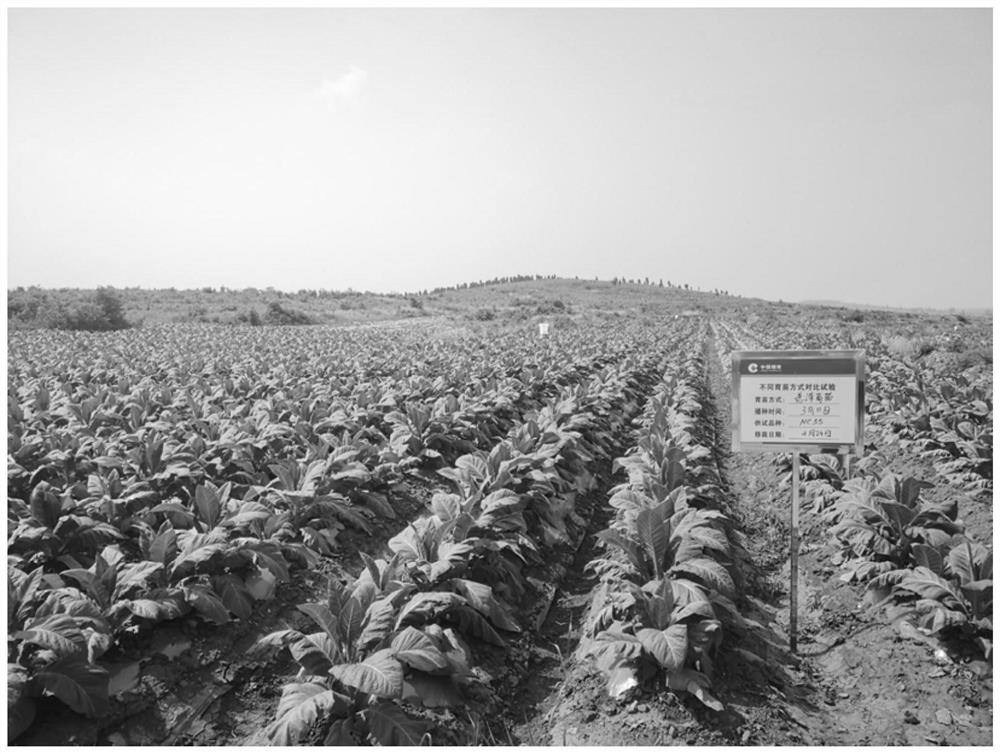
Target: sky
point(795, 154)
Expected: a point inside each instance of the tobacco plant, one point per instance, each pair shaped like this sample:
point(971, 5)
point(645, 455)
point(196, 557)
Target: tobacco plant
point(880, 521)
point(672, 631)
point(667, 539)
point(949, 590)
point(53, 643)
point(363, 664)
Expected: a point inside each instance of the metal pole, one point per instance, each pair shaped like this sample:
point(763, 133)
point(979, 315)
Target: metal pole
point(793, 602)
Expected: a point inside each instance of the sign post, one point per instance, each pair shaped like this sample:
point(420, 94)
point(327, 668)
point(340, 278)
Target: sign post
point(798, 402)
point(793, 565)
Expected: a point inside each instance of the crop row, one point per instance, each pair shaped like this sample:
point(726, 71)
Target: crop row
point(398, 640)
point(668, 574)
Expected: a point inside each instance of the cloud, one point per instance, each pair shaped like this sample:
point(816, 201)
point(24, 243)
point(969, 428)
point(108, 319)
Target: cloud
point(347, 90)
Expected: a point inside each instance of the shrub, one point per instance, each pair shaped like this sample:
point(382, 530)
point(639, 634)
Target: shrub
point(196, 314)
point(36, 309)
point(551, 307)
point(279, 315)
point(112, 310)
point(248, 318)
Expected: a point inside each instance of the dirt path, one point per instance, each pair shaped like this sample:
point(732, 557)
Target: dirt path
point(558, 637)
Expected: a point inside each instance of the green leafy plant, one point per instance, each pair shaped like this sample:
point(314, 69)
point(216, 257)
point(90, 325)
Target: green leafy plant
point(362, 664)
point(531, 475)
point(950, 589)
point(666, 539)
point(495, 531)
point(425, 435)
point(673, 631)
point(57, 531)
point(53, 641)
point(881, 520)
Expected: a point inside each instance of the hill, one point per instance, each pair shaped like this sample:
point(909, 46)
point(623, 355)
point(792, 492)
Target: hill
point(518, 299)
point(511, 300)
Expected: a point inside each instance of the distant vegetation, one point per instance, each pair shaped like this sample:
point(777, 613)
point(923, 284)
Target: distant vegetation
point(478, 304)
point(276, 314)
point(530, 278)
point(110, 308)
point(35, 308)
point(512, 298)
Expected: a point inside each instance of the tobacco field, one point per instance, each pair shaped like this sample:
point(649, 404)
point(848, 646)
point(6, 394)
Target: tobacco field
point(445, 531)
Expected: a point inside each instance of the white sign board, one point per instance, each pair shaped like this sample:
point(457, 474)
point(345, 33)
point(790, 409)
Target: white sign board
point(798, 401)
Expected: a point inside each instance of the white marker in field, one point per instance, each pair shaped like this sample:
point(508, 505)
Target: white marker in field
point(798, 402)
point(543, 329)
